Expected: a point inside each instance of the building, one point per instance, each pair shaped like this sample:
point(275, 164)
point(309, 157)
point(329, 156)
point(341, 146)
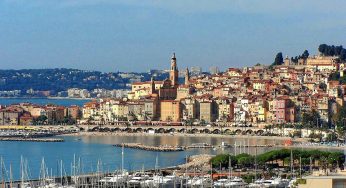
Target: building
point(174, 72)
point(207, 110)
point(170, 110)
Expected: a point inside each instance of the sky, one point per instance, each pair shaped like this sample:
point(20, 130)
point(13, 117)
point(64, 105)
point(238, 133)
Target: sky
point(138, 35)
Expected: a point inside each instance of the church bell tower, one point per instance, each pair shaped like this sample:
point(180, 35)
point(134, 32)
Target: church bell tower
point(173, 74)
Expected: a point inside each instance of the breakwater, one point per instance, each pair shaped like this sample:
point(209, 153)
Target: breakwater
point(23, 139)
point(163, 148)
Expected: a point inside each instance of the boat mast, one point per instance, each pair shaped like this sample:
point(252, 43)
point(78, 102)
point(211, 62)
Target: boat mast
point(61, 176)
point(11, 175)
point(300, 166)
point(156, 164)
point(229, 166)
point(291, 164)
point(122, 159)
point(21, 171)
point(256, 162)
point(2, 173)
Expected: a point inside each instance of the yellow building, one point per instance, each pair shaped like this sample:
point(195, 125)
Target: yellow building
point(119, 109)
point(262, 113)
point(324, 181)
point(170, 110)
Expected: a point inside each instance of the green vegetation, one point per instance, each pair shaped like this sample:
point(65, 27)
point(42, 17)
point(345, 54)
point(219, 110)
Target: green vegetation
point(279, 60)
point(282, 156)
point(311, 120)
point(336, 76)
point(304, 55)
point(339, 120)
point(332, 50)
point(56, 80)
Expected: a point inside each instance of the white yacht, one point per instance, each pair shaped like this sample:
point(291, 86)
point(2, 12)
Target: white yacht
point(221, 182)
point(25, 185)
point(275, 182)
point(235, 182)
point(49, 183)
point(204, 181)
point(257, 184)
point(137, 180)
point(162, 181)
point(115, 179)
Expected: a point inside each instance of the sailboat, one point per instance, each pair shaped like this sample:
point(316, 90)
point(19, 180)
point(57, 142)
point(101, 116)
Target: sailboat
point(118, 178)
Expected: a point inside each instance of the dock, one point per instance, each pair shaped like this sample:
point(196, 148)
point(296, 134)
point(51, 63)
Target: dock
point(23, 139)
point(164, 148)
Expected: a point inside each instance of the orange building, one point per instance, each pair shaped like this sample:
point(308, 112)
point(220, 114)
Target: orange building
point(170, 110)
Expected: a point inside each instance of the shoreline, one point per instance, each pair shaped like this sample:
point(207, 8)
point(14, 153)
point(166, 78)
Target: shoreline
point(56, 98)
point(298, 142)
point(176, 134)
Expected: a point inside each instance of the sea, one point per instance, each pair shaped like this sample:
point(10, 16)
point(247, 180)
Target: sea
point(91, 152)
point(43, 101)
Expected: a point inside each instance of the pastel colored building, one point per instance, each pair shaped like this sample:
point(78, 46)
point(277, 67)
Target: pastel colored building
point(170, 110)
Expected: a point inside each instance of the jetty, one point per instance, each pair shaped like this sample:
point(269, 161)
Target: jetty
point(163, 148)
point(199, 145)
point(23, 139)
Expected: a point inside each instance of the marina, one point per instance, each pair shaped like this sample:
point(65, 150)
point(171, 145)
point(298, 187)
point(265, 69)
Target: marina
point(164, 148)
point(93, 148)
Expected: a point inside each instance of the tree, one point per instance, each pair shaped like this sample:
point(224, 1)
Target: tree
point(343, 54)
point(311, 119)
point(322, 48)
point(333, 51)
point(305, 54)
point(339, 120)
point(323, 86)
point(279, 60)
point(40, 120)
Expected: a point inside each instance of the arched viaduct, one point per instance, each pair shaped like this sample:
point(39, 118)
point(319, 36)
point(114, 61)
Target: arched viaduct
point(175, 129)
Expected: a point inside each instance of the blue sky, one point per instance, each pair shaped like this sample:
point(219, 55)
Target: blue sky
point(138, 35)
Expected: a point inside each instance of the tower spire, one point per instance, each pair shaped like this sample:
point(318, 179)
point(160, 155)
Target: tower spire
point(187, 76)
point(173, 74)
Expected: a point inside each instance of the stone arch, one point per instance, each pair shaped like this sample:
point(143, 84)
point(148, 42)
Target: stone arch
point(216, 131)
point(259, 132)
point(182, 130)
point(193, 131)
point(207, 131)
point(160, 130)
point(149, 129)
point(238, 131)
point(227, 131)
point(171, 130)
point(138, 130)
point(128, 130)
point(249, 131)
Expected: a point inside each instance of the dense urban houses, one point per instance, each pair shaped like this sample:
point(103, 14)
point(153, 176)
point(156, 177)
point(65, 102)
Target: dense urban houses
point(310, 89)
point(250, 96)
point(33, 114)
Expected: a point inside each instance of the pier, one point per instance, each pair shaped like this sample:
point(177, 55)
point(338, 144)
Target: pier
point(22, 139)
point(150, 148)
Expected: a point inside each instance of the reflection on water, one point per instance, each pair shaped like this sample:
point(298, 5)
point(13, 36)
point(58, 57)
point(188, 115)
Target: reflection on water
point(90, 149)
point(181, 140)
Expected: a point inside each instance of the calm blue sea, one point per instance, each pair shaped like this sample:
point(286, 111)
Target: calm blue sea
point(43, 101)
point(90, 149)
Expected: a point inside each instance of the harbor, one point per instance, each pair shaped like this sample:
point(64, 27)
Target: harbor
point(20, 139)
point(184, 175)
point(163, 148)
